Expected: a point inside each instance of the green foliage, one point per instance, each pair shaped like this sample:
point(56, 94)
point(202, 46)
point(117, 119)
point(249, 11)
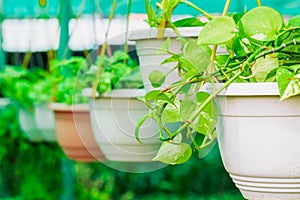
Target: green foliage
point(16, 84)
point(259, 47)
point(28, 170)
point(67, 84)
point(174, 151)
point(161, 16)
point(118, 71)
point(211, 182)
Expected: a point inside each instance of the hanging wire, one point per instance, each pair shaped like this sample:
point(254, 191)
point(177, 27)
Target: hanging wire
point(104, 47)
point(127, 26)
point(215, 47)
point(258, 2)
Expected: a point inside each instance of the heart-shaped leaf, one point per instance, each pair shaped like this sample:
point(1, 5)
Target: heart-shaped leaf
point(208, 116)
point(197, 56)
point(263, 67)
point(187, 108)
point(262, 23)
point(288, 83)
point(155, 95)
point(217, 31)
point(157, 78)
point(173, 152)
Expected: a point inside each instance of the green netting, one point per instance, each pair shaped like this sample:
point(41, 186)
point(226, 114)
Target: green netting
point(32, 9)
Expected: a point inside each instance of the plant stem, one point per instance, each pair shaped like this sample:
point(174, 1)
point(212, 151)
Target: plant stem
point(215, 47)
point(26, 59)
point(127, 28)
point(226, 8)
point(206, 14)
point(283, 46)
point(206, 102)
point(258, 2)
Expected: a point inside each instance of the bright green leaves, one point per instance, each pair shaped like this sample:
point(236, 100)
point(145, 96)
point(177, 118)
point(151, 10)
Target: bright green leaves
point(157, 78)
point(294, 21)
point(189, 22)
point(208, 116)
point(195, 57)
point(171, 113)
point(288, 83)
point(262, 23)
point(174, 151)
point(187, 109)
point(263, 67)
point(156, 95)
point(218, 31)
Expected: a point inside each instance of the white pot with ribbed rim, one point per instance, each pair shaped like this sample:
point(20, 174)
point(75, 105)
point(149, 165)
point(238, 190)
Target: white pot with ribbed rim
point(259, 140)
point(113, 117)
point(147, 45)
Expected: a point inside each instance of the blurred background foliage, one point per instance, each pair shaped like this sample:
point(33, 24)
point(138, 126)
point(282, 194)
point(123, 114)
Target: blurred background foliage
point(36, 171)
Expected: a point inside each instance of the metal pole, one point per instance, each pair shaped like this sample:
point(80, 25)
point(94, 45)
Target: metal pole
point(65, 14)
point(68, 179)
point(2, 53)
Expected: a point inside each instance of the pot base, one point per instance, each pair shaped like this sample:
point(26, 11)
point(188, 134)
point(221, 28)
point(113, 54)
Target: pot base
point(129, 152)
point(255, 188)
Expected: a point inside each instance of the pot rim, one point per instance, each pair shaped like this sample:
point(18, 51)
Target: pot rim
point(116, 93)
point(246, 89)
point(151, 33)
point(82, 107)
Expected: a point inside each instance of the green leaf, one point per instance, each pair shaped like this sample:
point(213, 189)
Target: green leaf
point(288, 83)
point(171, 114)
point(262, 23)
point(187, 109)
point(173, 58)
point(263, 67)
point(208, 117)
point(294, 21)
point(139, 125)
point(157, 78)
point(196, 55)
point(217, 31)
point(155, 95)
point(173, 152)
point(189, 22)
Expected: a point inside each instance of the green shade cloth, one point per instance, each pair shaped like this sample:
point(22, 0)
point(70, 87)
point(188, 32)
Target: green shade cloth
point(31, 8)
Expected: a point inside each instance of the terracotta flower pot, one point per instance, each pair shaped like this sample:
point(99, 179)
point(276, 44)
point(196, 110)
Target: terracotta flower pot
point(74, 132)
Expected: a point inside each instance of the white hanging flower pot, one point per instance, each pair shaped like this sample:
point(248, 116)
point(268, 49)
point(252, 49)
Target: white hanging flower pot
point(114, 116)
point(45, 122)
point(259, 139)
point(29, 127)
point(148, 45)
point(38, 126)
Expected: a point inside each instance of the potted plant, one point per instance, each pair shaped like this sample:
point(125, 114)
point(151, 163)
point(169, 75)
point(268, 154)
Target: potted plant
point(116, 109)
point(73, 125)
point(37, 122)
point(246, 98)
point(163, 29)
